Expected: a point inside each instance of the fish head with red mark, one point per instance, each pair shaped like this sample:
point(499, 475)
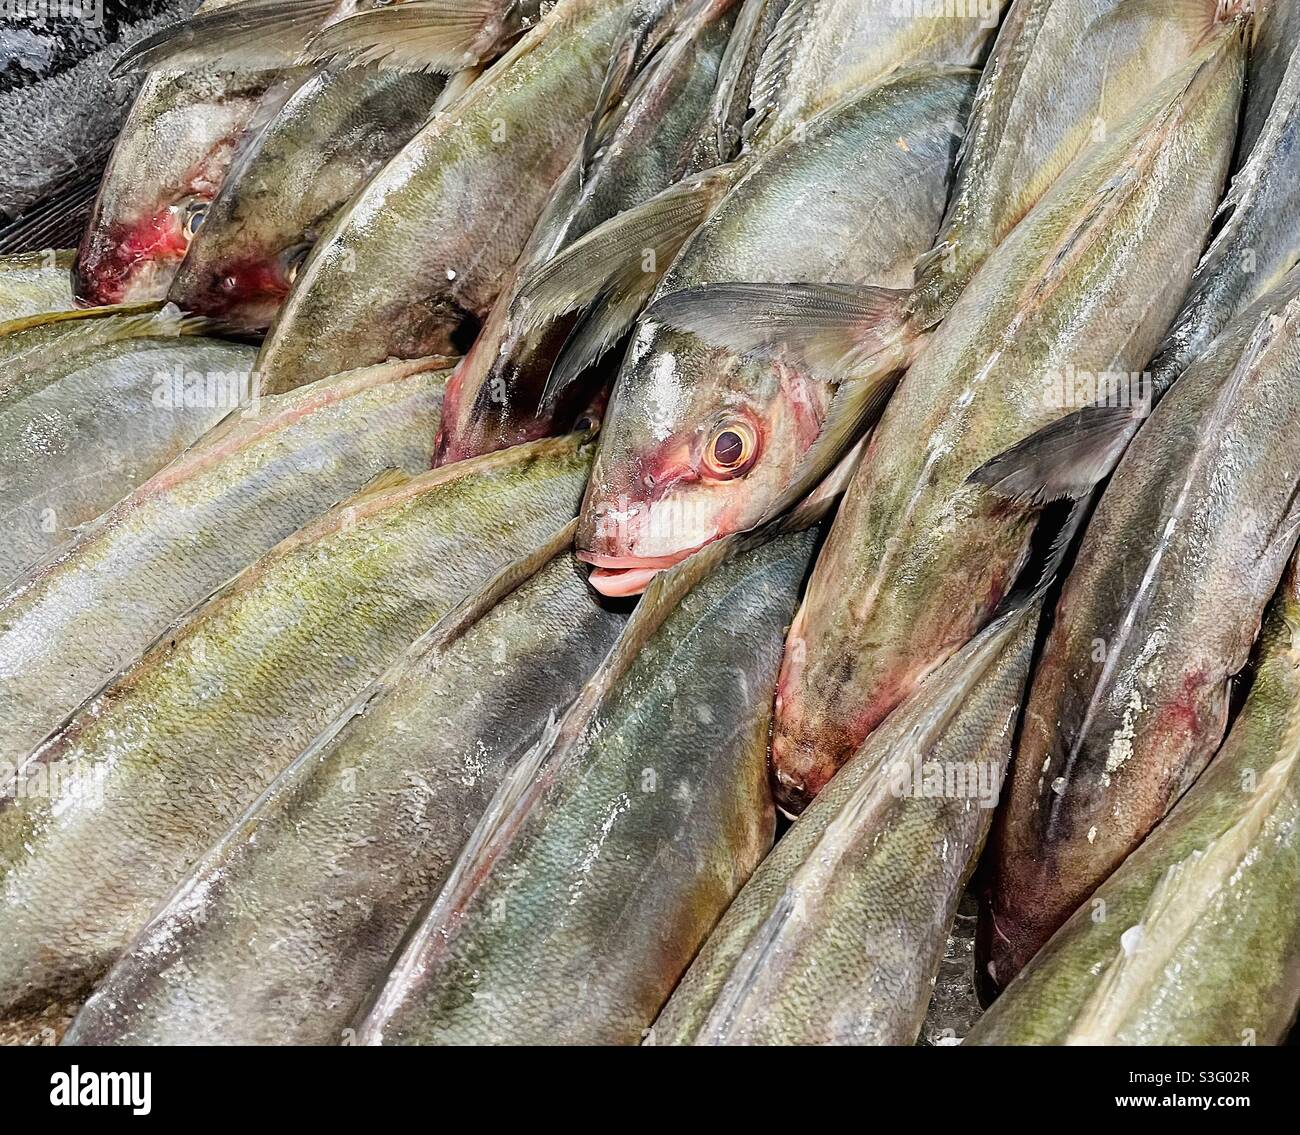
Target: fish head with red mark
point(697, 443)
point(173, 153)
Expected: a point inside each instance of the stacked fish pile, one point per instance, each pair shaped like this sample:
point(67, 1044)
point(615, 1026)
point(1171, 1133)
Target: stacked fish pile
point(654, 521)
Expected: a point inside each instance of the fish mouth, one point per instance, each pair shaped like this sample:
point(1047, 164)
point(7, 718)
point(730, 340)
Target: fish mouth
point(619, 577)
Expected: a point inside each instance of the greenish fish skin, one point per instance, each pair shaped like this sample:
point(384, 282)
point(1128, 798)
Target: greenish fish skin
point(415, 258)
point(919, 555)
point(289, 922)
point(179, 141)
point(494, 396)
point(94, 408)
point(1131, 696)
point(1257, 245)
point(653, 495)
point(33, 283)
point(332, 134)
point(821, 49)
point(838, 937)
point(94, 605)
point(1195, 939)
point(107, 815)
point(1037, 110)
point(629, 842)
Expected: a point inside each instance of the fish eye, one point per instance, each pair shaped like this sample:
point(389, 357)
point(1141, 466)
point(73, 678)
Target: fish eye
point(195, 211)
point(732, 450)
point(293, 260)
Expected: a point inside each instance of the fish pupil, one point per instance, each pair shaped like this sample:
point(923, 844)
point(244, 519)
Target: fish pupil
point(729, 448)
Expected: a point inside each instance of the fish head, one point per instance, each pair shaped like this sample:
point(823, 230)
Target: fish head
point(168, 164)
point(697, 444)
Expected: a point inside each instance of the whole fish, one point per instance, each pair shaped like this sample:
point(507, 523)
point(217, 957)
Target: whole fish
point(1131, 697)
point(174, 150)
point(332, 134)
point(91, 608)
point(838, 937)
point(420, 35)
point(60, 109)
point(920, 554)
point(289, 922)
point(34, 283)
point(1195, 939)
point(102, 820)
point(820, 49)
point(700, 439)
point(1037, 110)
point(90, 407)
point(615, 846)
point(414, 263)
point(495, 397)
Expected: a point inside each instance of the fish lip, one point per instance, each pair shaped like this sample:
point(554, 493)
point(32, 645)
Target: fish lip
point(619, 577)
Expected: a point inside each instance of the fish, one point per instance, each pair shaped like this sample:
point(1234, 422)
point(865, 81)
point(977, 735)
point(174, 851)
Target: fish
point(920, 555)
point(92, 607)
point(413, 264)
point(820, 49)
point(497, 396)
point(839, 935)
point(93, 403)
point(1258, 243)
point(412, 35)
point(1131, 697)
point(34, 283)
point(1277, 34)
point(331, 135)
point(1037, 110)
point(61, 112)
point(616, 843)
point(287, 924)
point(173, 152)
point(1195, 938)
point(699, 438)
point(104, 818)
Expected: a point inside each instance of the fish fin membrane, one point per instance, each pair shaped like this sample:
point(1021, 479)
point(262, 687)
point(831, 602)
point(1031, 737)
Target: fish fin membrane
point(1065, 459)
point(423, 35)
point(248, 35)
point(600, 329)
point(832, 331)
point(1200, 18)
point(729, 106)
point(774, 67)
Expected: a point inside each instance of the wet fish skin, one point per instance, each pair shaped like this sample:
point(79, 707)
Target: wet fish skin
point(1198, 940)
point(494, 398)
point(60, 109)
point(35, 283)
point(653, 496)
point(1131, 697)
point(149, 772)
point(1037, 111)
point(919, 556)
point(626, 846)
point(173, 152)
point(331, 135)
point(839, 935)
point(81, 615)
point(88, 426)
point(820, 49)
point(298, 917)
point(1277, 34)
point(1258, 243)
point(414, 263)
